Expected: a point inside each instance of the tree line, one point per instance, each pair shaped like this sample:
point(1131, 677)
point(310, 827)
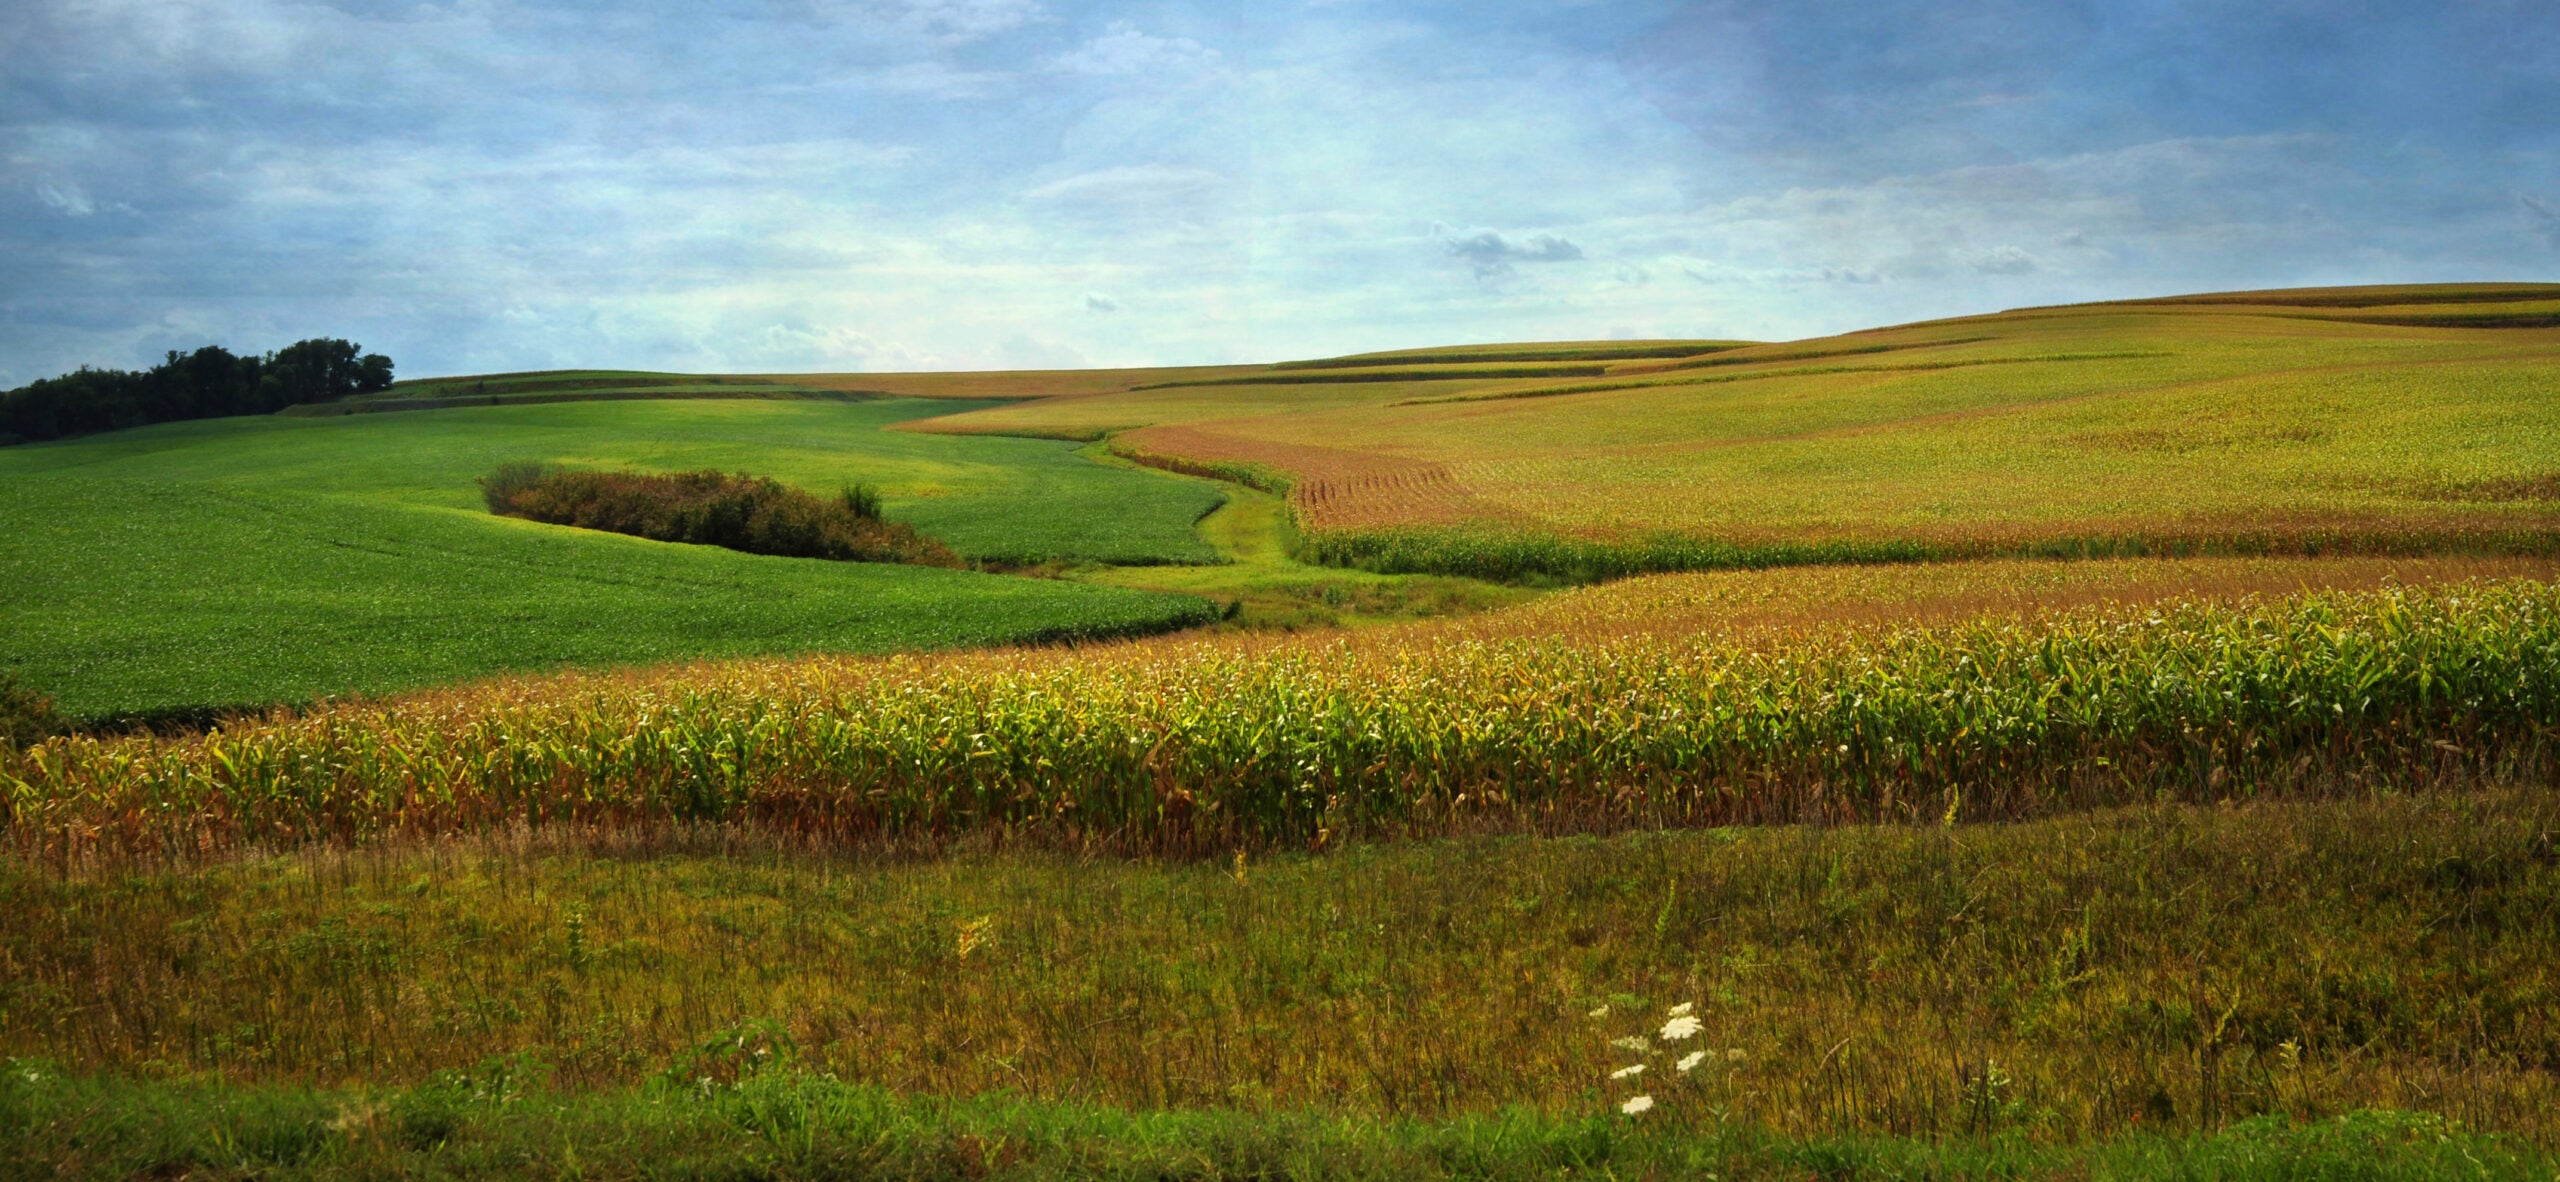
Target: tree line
point(209, 383)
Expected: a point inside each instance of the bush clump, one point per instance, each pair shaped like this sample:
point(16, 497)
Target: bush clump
point(754, 514)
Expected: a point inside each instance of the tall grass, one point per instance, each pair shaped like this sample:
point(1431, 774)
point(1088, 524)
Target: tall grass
point(782, 1125)
point(1210, 748)
point(2156, 968)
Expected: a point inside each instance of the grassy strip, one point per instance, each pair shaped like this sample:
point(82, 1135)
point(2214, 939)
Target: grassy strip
point(781, 1125)
point(1405, 375)
point(1464, 357)
point(1817, 354)
point(1757, 375)
point(2455, 320)
point(1518, 556)
point(1259, 477)
point(1212, 749)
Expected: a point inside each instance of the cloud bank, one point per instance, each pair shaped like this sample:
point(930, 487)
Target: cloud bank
point(880, 184)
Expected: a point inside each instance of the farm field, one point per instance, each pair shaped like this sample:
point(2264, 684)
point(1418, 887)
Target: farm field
point(1983, 691)
point(2374, 418)
point(236, 562)
point(2100, 741)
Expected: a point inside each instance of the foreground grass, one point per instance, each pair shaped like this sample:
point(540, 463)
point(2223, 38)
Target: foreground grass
point(239, 562)
point(2163, 969)
point(782, 1126)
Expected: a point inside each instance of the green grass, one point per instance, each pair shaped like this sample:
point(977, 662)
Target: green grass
point(782, 1125)
point(1267, 585)
point(241, 561)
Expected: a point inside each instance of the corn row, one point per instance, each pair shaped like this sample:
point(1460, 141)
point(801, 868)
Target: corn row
point(1203, 747)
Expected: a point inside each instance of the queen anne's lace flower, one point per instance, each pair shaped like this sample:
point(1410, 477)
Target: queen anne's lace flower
point(1636, 1104)
point(1679, 1028)
point(1690, 1060)
point(1624, 1072)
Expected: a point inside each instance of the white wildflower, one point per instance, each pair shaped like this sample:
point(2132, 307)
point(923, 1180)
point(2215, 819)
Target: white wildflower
point(1626, 1072)
point(1636, 1104)
point(1682, 1010)
point(1679, 1028)
point(1632, 1042)
point(1690, 1060)
point(1602, 1012)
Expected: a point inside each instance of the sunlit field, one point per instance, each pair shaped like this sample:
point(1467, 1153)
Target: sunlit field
point(2374, 419)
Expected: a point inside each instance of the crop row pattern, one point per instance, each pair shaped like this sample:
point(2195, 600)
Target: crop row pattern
point(1200, 748)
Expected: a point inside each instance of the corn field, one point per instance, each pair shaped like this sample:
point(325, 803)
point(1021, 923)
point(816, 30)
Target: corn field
point(1200, 748)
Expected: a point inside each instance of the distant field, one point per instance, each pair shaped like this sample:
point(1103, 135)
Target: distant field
point(242, 561)
point(2409, 419)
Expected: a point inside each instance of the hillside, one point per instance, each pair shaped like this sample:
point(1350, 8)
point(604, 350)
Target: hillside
point(238, 562)
point(2375, 416)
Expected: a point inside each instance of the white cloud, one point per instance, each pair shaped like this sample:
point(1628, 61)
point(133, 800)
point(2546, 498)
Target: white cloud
point(1132, 184)
point(66, 198)
point(1125, 51)
point(2000, 260)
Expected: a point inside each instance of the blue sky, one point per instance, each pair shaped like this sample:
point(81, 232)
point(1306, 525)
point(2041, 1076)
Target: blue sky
point(754, 185)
